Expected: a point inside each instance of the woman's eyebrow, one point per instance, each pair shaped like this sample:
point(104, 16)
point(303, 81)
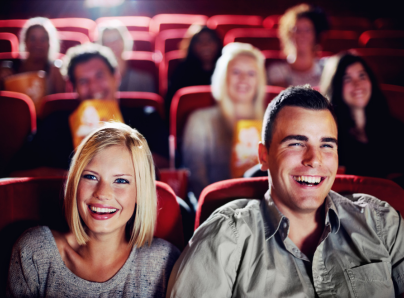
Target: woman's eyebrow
point(119, 175)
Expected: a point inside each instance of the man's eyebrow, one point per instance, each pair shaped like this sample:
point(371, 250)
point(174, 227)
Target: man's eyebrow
point(329, 140)
point(296, 138)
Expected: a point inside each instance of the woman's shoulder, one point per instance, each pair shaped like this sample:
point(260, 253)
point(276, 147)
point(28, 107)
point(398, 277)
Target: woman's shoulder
point(206, 114)
point(35, 241)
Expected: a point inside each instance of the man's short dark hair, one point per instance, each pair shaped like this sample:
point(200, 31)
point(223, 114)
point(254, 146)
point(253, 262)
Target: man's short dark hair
point(300, 96)
point(86, 52)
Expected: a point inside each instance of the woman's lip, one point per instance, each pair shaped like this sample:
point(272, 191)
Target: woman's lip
point(101, 216)
point(102, 206)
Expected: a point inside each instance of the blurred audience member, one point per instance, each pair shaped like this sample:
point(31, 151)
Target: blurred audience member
point(92, 70)
point(115, 35)
point(39, 39)
point(202, 53)
point(370, 141)
point(238, 84)
point(300, 30)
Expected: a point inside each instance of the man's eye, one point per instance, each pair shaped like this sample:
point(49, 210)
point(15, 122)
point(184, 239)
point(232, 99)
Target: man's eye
point(327, 146)
point(89, 177)
point(295, 145)
point(122, 181)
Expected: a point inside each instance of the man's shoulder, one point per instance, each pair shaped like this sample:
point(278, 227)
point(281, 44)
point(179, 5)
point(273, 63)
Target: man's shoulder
point(358, 200)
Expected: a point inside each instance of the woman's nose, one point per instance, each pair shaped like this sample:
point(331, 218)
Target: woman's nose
point(103, 191)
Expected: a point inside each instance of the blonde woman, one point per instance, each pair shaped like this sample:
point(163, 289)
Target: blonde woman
point(39, 40)
point(238, 85)
point(110, 207)
point(300, 30)
point(114, 35)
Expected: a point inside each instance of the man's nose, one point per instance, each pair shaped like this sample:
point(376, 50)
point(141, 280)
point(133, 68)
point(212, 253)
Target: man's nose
point(103, 191)
point(312, 157)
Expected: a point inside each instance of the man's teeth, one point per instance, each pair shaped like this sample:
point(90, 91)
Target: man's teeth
point(308, 179)
point(102, 210)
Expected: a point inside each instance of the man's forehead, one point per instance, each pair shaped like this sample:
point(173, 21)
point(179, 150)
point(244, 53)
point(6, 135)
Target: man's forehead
point(91, 66)
point(302, 121)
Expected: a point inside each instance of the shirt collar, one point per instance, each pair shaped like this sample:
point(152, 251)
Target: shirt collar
point(274, 218)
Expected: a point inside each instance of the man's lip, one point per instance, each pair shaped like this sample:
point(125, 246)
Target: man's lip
point(323, 178)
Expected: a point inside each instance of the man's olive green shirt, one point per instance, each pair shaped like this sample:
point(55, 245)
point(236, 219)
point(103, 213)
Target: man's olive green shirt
point(243, 250)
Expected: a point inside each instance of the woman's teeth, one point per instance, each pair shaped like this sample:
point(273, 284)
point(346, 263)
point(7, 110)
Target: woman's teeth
point(102, 210)
point(310, 180)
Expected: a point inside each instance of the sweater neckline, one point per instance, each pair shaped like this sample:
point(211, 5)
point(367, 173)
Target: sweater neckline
point(77, 281)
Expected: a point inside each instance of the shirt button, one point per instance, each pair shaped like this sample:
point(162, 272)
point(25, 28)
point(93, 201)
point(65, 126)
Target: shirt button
point(285, 225)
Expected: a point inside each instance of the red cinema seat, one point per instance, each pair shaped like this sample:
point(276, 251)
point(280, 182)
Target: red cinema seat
point(82, 25)
point(185, 101)
point(69, 101)
point(17, 122)
point(395, 99)
point(133, 99)
point(271, 22)
point(220, 193)
point(387, 64)
point(12, 26)
point(28, 202)
point(70, 39)
point(390, 39)
point(8, 42)
point(133, 23)
point(167, 67)
point(169, 40)
point(389, 24)
point(144, 61)
point(162, 22)
point(272, 56)
point(223, 23)
point(339, 40)
point(271, 93)
point(261, 38)
point(143, 41)
point(358, 24)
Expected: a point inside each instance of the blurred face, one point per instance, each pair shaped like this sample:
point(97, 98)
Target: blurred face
point(242, 79)
point(205, 47)
point(302, 159)
point(304, 35)
point(113, 40)
point(37, 42)
point(356, 88)
point(106, 195)
point(95, 81)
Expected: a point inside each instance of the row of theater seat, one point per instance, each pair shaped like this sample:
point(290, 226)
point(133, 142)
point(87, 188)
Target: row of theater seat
point(17, 110)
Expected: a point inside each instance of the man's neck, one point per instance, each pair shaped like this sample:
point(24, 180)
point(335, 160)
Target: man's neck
point(305, 228)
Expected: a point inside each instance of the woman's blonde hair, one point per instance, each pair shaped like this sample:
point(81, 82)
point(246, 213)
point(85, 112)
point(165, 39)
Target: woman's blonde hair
point(219, 77)
point(120, 28)
point(140, 228)
point(45, 23)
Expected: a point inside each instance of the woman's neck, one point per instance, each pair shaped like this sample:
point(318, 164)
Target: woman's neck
point(304, 61)
point(33, 65)
point(359, 117)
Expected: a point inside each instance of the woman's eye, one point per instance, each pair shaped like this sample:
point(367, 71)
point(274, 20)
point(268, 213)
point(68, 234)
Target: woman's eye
point(89, 177)
point(122, 181)
point(252, 73)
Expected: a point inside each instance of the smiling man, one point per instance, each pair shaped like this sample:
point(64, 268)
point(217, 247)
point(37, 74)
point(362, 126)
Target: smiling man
point(301, 239)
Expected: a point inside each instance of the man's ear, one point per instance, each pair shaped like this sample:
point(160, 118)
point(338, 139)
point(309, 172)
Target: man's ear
point(263, 156)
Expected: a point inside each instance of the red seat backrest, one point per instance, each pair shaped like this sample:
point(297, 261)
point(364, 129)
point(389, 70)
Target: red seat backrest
point(145, 61)
point(143, 41)
point(358, 24)
point(12, 26)
point(70, 39)
point(220, 193)
point(82, 25)
point(390, 39)
point(388, 23)
point(17, 122)
point(261, 38)
point(387, 64)
point(69, 101)
point(162, 22)
point(271, 22)
point(133, 23)
point(339, 40)
point(167, 67)
point(8, 42)
point(395, 99)
point(223, 23)
point(169, 40)
point(185, 101)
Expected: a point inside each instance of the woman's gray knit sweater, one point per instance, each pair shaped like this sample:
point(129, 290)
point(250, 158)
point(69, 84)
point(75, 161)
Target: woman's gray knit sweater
point(37, 270)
